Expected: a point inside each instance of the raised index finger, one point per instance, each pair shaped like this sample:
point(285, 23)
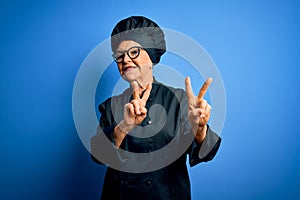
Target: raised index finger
point(136, 90)
point(204, 88)
point(188, 88)
point(147, 92)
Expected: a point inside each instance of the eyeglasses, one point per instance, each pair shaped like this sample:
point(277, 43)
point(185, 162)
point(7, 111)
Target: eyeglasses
point(132, 52)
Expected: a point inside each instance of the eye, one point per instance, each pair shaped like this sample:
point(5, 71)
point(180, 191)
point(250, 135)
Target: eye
point(119, 56)
point(134, 52)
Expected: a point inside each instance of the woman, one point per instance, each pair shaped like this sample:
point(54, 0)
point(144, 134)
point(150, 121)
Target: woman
point(146, 118)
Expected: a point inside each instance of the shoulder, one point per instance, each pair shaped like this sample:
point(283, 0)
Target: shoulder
point(170, 91)
point(116, 100)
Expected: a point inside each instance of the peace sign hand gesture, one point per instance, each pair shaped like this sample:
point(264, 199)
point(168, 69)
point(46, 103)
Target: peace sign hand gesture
point(134, 113)
point(198, 109)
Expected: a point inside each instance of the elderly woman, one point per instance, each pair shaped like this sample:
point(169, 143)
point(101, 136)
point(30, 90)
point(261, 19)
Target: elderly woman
point(146, 118)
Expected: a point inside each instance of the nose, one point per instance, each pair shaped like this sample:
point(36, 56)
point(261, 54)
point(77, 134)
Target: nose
point(126, 58)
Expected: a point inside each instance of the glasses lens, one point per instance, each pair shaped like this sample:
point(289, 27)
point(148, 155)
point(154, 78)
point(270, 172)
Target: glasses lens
point(134, 52)
point(118, 57)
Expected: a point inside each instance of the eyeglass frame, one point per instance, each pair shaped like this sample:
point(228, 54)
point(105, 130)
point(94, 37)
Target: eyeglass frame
point(127, 52)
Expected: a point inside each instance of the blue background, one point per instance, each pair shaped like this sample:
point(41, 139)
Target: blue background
point(255, 45)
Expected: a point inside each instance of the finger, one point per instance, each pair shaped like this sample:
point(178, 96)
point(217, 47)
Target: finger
point(194, 116)
point(202, 104)
point(205, 113)
point(204, 88)
point(201, 113)
point(130, 109)
point(198, 112)
point(136, 106)
point(143, 111)
point(136, 90)
point(208, 108)
point(147, 92)
point(188, 88)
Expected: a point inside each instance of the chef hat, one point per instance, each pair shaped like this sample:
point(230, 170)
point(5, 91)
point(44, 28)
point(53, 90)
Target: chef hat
point(143, 31)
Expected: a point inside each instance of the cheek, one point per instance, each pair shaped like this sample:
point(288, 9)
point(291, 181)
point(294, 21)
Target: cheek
point(145, 60)
point(120, 68)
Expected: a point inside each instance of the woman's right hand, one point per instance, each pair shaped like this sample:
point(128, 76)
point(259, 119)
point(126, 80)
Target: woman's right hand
point(135, 111)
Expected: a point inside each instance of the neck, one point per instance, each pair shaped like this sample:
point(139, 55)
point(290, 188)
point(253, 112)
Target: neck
point(143, 83)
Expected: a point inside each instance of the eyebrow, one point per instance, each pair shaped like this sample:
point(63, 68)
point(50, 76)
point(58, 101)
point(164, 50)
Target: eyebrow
point(123, 51)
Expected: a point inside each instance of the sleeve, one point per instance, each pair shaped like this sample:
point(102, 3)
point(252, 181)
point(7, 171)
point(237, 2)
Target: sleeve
point(198, 152)
point(106, 127)
point(205, 151)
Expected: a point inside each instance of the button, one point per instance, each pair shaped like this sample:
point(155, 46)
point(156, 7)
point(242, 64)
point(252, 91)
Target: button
point(149, 121)
point(149, 182)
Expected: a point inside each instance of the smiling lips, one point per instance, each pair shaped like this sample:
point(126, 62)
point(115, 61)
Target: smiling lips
point(129, 68)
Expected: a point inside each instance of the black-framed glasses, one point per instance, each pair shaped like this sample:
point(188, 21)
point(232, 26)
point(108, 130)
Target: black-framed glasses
point(132, 52)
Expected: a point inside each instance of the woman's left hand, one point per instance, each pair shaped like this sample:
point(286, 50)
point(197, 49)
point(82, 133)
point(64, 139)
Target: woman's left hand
point(198, 109)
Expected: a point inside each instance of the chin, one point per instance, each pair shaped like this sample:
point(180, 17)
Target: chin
point(129, 78)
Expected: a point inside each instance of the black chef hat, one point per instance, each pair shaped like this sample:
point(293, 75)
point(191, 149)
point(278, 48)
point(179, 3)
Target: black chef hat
point(143, 31)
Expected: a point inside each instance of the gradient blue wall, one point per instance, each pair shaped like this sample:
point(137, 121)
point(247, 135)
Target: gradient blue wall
point(255, 44)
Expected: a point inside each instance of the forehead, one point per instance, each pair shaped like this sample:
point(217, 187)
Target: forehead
point(126, 44)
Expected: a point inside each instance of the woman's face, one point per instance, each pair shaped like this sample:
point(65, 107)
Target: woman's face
point(138, 69)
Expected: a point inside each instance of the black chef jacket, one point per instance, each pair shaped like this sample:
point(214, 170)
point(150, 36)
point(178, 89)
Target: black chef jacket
point(170, 182)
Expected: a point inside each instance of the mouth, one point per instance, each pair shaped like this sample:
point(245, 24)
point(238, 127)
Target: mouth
point(128, 68)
